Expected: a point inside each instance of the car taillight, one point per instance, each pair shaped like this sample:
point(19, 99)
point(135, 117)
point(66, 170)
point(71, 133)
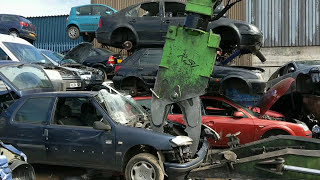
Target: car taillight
point(100, 23)
point(35, 28)
point(111, 60)
point(67, 19)
point(116, 69)
point(24, 24)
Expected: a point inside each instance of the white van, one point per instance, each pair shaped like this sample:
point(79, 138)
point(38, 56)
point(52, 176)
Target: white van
point(17, 49)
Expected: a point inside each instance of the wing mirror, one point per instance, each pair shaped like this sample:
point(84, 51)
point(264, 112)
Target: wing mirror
point(238, 114)
point(101, 126)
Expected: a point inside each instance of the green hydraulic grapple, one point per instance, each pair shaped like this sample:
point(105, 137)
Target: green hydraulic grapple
point(187, 62)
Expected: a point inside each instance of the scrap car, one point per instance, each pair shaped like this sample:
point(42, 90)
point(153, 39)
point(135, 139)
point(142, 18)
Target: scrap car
point(90, 76)
point(137, 73)
point(146, 24)
point(222, 115)
point(17, 49)
point(89, 129)
point(99, 58)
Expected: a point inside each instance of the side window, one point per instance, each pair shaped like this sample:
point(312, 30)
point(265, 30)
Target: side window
point(151, 57)
point(150, 9)
point(174, 9)
point(76, 111)
point(101, 10)
point(35, 111)
point(9, 18)
point(217, 108)
point(3, 55)
point(85, 11)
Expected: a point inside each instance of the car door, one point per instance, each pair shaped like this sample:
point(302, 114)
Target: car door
point(84, 18)
point(219, 116)
point(173, 16)
point(3, 26)
point(146, 20)
point(26, 127)
point(72, 139)
point(148, 65)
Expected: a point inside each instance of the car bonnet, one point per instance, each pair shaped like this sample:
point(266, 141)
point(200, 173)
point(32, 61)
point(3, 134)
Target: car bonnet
point(273, 95)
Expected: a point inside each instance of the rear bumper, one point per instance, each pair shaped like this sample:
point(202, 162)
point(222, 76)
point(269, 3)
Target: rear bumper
point(28, 34)
point(103, 37)
point(175, 169)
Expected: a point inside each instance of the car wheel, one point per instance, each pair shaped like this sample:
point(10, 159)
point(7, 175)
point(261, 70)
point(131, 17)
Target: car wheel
point(13, 33)
point(23, 172)
point(144, 166)
point(273, 133)
point(73, 32)
point(104, 73)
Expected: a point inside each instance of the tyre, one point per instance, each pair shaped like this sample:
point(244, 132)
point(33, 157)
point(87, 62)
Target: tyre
point(23, 172)
point(105, 76)
point(13, 33)
point(73, 32)
point(144, 166)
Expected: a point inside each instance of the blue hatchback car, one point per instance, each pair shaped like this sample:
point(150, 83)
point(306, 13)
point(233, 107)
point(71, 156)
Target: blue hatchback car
point(83, 20)
point(17, 26)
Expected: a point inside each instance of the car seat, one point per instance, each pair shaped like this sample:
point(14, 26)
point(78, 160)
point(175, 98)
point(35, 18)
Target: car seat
point(65, 117)
point(89, 115)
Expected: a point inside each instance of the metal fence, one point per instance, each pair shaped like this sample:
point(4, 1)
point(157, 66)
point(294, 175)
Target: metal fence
point(286, 22)
point(51, 33)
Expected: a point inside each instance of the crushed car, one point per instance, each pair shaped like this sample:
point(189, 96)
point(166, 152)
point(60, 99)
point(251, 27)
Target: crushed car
point(90, 76)
point(17, 49)
point(146, 24)
point(137, 73)
point(89, 129)
point(99, 58)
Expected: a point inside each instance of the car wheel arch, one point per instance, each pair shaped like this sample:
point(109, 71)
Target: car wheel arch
point(13, 29)
point(224, 82)
point(137, 149)
point(73, 24)
point(127, 29)
point(268, 131)
point(227, 28)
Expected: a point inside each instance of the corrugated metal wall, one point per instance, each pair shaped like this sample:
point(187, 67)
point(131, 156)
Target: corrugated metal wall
point(236, 12)
point(52, 34)
point(286, 22)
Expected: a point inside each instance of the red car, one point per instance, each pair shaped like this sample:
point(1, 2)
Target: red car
point(225, 116)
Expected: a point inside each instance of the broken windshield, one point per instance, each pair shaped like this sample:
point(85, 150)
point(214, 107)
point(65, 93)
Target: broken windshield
point(25, 77)
point(121, 109)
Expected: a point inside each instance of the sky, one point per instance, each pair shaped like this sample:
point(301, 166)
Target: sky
point(30, 8)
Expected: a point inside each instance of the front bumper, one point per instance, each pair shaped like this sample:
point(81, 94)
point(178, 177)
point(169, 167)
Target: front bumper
point(28, 34)
point(74, 84)
point(175, 170)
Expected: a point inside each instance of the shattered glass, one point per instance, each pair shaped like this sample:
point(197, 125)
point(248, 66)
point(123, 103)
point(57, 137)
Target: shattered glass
point(121, 109)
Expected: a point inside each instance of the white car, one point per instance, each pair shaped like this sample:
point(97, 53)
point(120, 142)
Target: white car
point(17, 49)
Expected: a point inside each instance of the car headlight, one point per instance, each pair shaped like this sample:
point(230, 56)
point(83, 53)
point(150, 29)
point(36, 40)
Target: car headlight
point(181, 141)
point(304, 126)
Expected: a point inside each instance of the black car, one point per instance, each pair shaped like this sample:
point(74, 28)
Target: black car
point(146, 24)
point(306, 73)
point(17, 26)
point(98, 58)
point(96, 130)
point(138, 72)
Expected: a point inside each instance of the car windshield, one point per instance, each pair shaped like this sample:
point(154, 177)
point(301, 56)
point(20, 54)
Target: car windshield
point(26, 53)
point(104, 52)
point(308, 63)
point(243, 107)
point(25, 77)
point(53, 55)
point(121, 109)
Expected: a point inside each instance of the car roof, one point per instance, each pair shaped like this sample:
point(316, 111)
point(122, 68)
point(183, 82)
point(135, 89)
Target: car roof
point(91, 5)
point(8, 38)
point(65, 93)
